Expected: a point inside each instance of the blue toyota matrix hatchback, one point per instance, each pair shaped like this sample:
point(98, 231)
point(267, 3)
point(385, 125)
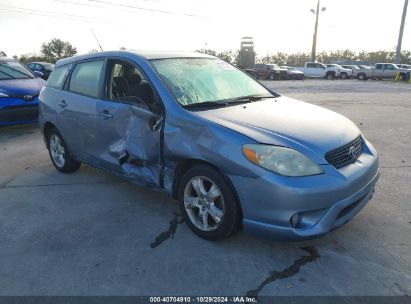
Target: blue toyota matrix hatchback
point(232, 152)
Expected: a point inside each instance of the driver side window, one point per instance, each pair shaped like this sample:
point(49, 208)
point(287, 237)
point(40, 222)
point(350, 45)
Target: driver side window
point(127, 84)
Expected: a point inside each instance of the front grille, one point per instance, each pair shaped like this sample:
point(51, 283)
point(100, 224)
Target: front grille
point(346, 154)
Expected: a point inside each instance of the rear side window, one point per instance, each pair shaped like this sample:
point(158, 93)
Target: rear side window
point(378, 66)
point(86, 78)
point(58, 76)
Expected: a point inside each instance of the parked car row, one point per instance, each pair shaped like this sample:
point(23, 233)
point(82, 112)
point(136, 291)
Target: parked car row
point(330, 71)
point(310, 69)
point(382, 71)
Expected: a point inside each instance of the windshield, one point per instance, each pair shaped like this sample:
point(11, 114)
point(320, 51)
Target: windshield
point(200, 80)
point(10, 69)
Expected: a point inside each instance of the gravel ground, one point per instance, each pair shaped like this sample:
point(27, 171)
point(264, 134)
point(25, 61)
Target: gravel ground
point(90, 233)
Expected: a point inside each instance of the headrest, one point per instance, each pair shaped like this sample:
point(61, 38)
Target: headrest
point(133, 78)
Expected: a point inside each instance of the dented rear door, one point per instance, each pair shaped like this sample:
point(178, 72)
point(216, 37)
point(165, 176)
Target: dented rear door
point(128, 144)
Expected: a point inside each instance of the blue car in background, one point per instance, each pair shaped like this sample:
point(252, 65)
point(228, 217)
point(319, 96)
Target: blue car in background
point(19, 91)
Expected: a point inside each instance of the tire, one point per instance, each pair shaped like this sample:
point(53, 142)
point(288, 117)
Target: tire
point(59, 153)
point(222, 212)
point(361, 77)
point(330, 75)
point(344, 75)
point(271, 76)
point(402, 77)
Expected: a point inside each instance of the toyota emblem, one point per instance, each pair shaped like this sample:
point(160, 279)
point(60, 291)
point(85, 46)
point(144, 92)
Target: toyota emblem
point(28, 97)
point(352, 152)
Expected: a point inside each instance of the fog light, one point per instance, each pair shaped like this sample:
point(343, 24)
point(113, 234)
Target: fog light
point(295, 219)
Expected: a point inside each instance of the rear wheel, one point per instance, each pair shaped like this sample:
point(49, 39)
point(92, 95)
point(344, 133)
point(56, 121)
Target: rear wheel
point(59, 154)
point(361, 77)
point(402, 77)
point(208, 203)
point(344, 76)
point(272, 76)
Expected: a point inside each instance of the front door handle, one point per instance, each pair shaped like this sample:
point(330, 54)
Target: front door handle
point(105, 114)
point(62, 103)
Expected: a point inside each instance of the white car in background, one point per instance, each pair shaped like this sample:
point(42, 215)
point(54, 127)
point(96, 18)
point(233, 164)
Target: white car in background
point(344, 73)
point(317, 69)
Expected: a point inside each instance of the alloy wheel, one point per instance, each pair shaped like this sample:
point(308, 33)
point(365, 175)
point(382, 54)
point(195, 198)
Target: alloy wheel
point(204, 203)
point(57, 151)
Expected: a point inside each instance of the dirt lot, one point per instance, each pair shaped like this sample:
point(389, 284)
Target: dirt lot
point(90, 233)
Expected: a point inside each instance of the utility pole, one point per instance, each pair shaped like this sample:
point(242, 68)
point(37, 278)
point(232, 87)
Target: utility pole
point(399, 44)
point(317, 13)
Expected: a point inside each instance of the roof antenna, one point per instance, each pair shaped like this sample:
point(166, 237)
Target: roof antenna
point(96, 39)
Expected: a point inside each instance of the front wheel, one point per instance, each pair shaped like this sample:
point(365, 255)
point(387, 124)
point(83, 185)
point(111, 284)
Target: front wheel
point(361, 77)
point(59, 154)
point(208, 203)
point(344, 76)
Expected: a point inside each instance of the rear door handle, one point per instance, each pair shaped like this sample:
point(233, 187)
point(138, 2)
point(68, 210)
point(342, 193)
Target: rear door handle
point(105, 114)
point(62, 103)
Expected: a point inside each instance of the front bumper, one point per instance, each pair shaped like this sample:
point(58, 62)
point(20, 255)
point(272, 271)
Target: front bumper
point(17, 111)
point(322, 202)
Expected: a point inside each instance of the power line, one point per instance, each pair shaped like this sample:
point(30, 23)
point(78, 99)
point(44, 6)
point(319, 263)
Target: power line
point(127, 7)
point(145, 9)
point(53, 14)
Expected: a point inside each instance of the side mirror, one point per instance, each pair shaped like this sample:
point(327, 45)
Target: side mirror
point(38, 74)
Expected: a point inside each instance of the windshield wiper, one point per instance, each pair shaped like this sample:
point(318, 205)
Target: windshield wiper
point(205, 104)
point(250, 98)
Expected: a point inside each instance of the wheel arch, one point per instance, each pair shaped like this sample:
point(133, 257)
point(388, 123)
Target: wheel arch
point(184, 165)
point(47, 127)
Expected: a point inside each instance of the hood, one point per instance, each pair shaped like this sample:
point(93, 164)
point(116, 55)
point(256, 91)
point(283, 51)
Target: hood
point(31, 86)
point(307, 128)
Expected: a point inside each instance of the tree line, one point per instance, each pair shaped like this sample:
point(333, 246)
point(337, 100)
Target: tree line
point(56, 49)
point(298, 59)
point(50, 51)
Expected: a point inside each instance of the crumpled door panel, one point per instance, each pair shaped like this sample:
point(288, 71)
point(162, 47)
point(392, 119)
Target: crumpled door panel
point(129, 147)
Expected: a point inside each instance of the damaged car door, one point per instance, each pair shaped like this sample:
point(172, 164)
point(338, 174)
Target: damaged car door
point(128, 130)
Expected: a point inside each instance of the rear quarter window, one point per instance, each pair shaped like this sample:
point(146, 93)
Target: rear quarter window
point(86, 78)
point(58, 77)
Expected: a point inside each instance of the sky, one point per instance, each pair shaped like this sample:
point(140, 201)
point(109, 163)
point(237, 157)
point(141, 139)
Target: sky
point(276, 25)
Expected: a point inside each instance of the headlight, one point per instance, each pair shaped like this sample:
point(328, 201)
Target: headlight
point(3, 95)
point(281, 160)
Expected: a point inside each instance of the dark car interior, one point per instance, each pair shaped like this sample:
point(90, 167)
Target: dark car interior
point(126, 83)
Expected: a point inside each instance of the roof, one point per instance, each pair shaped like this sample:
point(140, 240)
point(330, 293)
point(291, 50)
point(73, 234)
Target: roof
point(148, 55)
point(41, 62)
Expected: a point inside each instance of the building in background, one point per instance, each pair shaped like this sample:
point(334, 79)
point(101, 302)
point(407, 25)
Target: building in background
point(246, 57)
